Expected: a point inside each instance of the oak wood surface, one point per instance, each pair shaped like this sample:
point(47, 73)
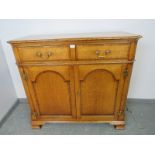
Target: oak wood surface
point(44, 53)
point(78, 36)
point(99, 87)
point(71, 82)
point(103, 52)
point(49, 87)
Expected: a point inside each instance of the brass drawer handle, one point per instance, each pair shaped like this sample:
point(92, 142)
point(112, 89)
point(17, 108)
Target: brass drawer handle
point(97, 52)
point(49, 54)
point(39, 54)
point(107, 52)
point(101, 54)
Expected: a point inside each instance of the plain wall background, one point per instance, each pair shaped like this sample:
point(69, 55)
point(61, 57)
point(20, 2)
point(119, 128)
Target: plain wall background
point(7, 92)
point(143, 78)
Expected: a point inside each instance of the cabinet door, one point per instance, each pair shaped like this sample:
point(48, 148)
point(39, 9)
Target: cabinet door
point(98, 91)
point(52, 91)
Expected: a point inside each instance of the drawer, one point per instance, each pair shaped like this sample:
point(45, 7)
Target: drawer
point(44, 53)
point(106, 51)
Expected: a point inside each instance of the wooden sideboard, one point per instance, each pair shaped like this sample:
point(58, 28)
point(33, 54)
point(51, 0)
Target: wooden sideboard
point(76, 77)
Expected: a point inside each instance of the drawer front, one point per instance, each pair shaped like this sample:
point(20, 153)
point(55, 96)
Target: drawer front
point(107, 51)
point(44, 53)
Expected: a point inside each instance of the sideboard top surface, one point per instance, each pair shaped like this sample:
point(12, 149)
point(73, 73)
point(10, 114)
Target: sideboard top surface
point(76, 37)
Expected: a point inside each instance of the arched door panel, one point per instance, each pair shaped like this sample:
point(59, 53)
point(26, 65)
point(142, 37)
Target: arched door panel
point(52, 94)
point(51, 90)
point(99, 90)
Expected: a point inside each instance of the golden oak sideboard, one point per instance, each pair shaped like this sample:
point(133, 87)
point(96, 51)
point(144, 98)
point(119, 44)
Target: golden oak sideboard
point(76, 77)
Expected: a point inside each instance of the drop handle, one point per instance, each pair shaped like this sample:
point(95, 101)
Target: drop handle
point(99, 54)
point(107, 52)
point(39, 54)
point(102, 54)
point(49, 54)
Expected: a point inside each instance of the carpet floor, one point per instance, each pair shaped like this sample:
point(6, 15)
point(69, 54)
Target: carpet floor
point(140, 120)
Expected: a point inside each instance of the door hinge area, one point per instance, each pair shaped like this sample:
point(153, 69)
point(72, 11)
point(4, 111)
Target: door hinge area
point(35, 114)
point(120, 113)
point(24, 76)
point(126, 73)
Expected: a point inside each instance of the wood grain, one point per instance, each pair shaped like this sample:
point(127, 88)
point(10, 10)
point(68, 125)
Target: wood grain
point(44, 53)
point(116, 51)
point(78, 36)
point(74, 84)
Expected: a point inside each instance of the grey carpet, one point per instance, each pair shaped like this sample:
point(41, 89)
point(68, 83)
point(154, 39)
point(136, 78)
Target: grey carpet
point(140, 119)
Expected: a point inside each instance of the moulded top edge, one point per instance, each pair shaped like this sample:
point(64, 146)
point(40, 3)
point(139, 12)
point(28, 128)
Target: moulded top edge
point(78, 36)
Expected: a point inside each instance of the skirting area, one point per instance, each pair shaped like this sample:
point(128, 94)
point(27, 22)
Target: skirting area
point(140, 119)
